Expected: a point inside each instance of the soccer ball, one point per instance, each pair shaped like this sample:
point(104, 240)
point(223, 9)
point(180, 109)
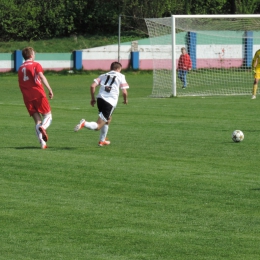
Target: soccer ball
point(237, 136)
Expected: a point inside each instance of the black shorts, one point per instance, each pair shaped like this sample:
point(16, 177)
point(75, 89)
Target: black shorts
point(104, 108)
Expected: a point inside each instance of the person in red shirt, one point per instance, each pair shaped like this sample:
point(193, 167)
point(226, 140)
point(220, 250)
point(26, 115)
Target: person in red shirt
point(184, 65)
point(30, 78)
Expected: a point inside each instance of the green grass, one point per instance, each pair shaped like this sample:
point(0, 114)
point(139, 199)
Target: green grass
point(172, 184)
point(206, 82)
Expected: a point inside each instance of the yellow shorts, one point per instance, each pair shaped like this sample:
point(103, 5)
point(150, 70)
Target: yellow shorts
point(257, 73)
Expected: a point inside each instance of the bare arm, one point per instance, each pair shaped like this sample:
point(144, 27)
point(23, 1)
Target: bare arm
point(92, 93)
point(125, 94)
point(256, 62)
point(46, 83)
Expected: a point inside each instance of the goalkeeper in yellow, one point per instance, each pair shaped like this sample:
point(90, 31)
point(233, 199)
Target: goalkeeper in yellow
point(256, 70)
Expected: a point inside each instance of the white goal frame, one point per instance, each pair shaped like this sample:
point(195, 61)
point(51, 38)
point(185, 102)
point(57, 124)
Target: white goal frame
point(174, 44)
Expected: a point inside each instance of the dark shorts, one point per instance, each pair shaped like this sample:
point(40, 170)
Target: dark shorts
point(104, 108)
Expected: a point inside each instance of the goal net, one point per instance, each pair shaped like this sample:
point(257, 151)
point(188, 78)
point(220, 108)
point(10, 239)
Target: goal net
point(221, 48)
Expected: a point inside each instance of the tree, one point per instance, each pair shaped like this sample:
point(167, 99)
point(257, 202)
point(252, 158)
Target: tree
point(33, 19)
point(246, 6)
point(207, 7)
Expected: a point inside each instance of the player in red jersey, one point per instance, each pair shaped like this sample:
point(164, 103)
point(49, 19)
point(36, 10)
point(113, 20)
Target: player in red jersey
point(30, 78)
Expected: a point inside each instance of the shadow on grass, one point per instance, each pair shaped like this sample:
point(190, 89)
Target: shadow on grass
point(258, 189)
point(48, 149)
point(26, 148)
point(61, 148)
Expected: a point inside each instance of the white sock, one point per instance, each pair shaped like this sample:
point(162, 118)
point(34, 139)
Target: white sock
point(47, 119)
point(38, 133)
point(103, 133)
point(91, 125)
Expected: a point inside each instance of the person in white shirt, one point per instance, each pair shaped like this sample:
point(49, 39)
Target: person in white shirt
point(110, 84)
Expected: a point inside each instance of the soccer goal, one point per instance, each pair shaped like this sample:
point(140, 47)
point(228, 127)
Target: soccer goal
point(221, 48)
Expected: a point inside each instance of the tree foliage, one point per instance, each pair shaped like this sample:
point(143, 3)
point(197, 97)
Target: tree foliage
point(31, 19)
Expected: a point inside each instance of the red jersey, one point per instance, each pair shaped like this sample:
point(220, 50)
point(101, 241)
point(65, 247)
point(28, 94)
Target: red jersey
point(30, 81)
point(184, 62)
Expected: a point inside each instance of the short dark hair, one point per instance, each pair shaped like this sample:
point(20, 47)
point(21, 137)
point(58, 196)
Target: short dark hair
point(115, 65)
point(27, 52)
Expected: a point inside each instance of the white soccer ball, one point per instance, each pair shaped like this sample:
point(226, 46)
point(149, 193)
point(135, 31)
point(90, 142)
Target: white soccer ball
point(237, 136)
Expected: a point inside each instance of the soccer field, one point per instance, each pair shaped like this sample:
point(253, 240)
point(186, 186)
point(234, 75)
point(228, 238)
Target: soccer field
point(172, 184)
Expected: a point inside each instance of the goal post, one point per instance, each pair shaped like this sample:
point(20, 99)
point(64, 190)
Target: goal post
point(221, 48)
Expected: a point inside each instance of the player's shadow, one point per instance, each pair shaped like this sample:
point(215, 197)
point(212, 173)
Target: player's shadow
point(26, 148)
point(48, 149)
point(256, 189)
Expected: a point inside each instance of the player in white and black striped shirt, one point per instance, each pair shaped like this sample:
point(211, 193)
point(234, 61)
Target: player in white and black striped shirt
point(110, 85)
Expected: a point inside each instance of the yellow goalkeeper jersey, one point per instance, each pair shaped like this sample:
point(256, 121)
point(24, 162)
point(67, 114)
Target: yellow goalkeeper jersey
point(255, 65)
